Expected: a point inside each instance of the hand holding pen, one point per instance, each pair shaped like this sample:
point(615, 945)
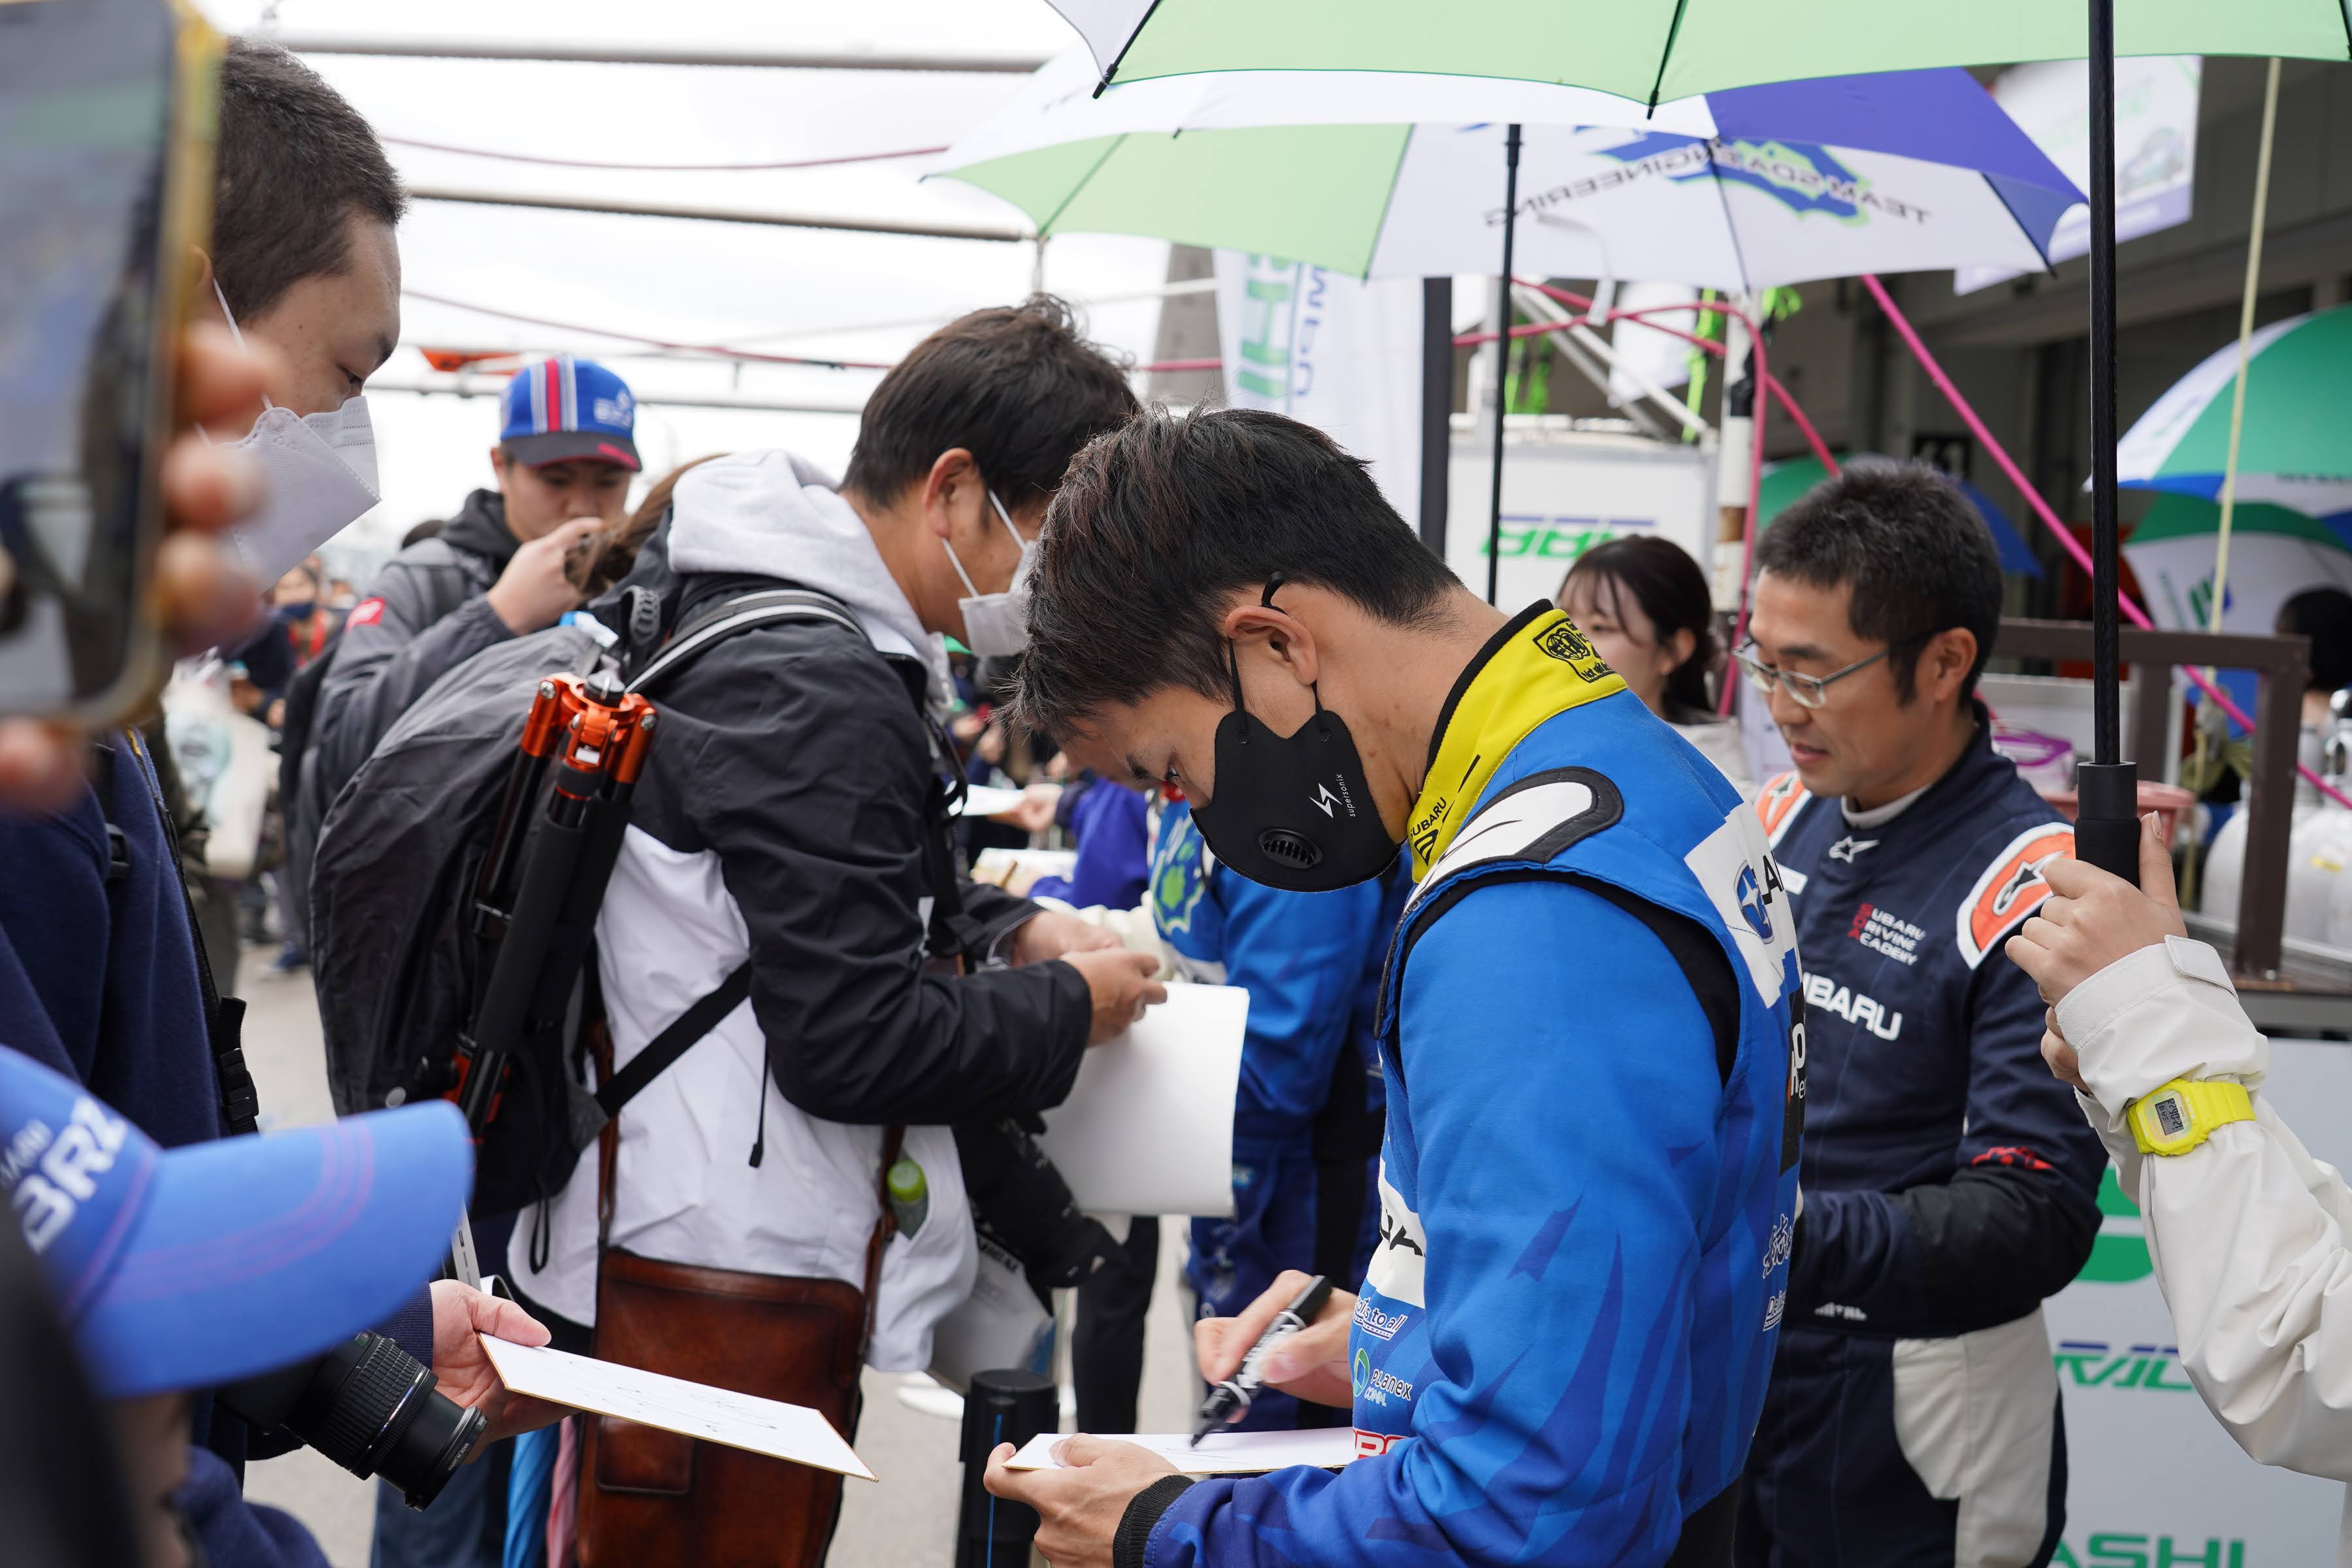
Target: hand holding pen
point(1310, 1362)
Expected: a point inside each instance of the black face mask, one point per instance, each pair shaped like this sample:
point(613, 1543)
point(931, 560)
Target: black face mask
point(1293, 811)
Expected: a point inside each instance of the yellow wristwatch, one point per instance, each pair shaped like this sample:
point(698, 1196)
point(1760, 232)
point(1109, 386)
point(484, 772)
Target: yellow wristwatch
point(2183, 1113)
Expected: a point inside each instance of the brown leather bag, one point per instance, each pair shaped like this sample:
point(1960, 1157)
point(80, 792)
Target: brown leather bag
point(650, 1499)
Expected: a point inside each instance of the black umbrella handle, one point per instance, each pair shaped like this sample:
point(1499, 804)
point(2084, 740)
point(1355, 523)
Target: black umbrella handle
point(2107, 824)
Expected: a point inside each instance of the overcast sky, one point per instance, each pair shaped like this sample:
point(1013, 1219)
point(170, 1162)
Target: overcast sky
point(854, 296)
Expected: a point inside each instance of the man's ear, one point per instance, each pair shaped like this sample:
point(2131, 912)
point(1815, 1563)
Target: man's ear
point(200, 262)
point(1268, 631)
point(498, 467)
point(1946, 663)
point(953, 485)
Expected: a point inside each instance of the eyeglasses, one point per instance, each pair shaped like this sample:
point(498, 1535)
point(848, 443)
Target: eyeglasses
point(1804, 690)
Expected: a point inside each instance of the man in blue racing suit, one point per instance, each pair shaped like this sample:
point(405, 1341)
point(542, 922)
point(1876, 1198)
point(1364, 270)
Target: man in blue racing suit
point(1586, 1022)
point(1949, 1179)
point(1308, 1110)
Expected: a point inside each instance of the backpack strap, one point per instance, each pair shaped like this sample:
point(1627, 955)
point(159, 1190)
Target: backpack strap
point(684, 1032)
point(743, 614)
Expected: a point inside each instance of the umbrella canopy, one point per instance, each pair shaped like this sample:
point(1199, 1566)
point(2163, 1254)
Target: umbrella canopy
point(1784, 481)
point(1738, 190)
point(2275, 554)
point(1658, 49)
point(2297, 447)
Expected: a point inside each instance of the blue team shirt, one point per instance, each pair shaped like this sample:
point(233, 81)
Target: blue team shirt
point(1562, 1345)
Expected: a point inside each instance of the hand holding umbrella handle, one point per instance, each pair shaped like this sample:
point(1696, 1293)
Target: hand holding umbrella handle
point(2107, 824)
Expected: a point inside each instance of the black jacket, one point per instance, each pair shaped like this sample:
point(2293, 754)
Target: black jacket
point(424, 614)
point(797, 754)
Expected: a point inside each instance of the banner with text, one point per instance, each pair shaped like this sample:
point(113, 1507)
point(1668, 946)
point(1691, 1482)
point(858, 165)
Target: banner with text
point(1339, 354)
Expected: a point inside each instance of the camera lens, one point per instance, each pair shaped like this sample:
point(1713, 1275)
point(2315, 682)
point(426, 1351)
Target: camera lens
point(1021, 1200)
point(370, 1406)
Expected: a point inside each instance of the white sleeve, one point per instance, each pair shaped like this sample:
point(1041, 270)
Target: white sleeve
point(2248, 1232)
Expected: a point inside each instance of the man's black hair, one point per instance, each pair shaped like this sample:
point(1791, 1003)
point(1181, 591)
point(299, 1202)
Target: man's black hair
point(1917, 555)
point(1161, 522)
point(2324, 615)
point(295, 161)
point(1015, 385)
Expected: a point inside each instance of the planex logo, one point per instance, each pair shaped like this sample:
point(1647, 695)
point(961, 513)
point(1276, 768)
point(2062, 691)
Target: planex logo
point(2126, 1549)
point(2095, 1363)
point(1377, 1385)
point(2119, 1252)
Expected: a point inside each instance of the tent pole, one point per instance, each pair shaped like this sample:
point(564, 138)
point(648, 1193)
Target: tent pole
point(1502, 359)
point(2106, 829)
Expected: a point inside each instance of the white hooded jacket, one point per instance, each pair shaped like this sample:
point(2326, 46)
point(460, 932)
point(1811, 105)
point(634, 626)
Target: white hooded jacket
point(2252, 1237)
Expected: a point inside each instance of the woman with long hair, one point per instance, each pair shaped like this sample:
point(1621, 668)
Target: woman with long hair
point(1644, 604)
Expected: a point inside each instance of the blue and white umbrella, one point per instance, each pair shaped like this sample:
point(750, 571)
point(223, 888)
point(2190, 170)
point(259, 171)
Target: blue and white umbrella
point(1736, 190)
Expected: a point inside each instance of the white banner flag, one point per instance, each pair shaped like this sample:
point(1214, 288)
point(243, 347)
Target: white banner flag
point(1340, 354)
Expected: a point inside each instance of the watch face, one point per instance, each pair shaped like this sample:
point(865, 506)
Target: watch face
point(2171, 1113)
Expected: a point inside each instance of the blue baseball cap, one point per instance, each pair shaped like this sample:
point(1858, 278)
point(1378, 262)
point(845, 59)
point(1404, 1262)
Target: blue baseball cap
point(185, 1268)
point(564, 408)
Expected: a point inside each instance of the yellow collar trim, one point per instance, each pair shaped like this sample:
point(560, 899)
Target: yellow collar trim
point(1534, 668)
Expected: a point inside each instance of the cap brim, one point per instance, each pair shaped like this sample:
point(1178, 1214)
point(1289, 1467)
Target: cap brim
point(571, 446)
point(251, 1253)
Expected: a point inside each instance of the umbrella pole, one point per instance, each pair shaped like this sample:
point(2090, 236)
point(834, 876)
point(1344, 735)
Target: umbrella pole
point(1502, 359)
point(2106, 828)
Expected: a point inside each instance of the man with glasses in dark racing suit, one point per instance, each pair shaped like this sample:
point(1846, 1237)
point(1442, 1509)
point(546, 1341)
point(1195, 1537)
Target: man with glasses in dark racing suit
point(1947, 1180)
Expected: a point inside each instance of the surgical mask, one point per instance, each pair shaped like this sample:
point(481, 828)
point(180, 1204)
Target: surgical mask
point(1293, 811)
point(318, 478)
point(997, 625)
point(294, 612)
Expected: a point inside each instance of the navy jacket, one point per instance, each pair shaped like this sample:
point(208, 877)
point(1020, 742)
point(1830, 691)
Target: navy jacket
point(1949, 1178)
point(100, 982)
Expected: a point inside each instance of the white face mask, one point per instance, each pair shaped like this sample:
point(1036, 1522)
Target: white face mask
point(318, 478)
point(996, 626)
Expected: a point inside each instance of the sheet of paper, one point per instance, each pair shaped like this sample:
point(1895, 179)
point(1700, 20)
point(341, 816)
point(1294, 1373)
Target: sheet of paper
point(994, 865)
point(768, 1426)
point(987, 800)
point(1220, 1453)
point(1149, 1126)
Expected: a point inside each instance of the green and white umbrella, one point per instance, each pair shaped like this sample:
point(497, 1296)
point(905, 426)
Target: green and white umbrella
point(2275, 554)
point(1740, 190)
point(2297, 447)
point(1659, 50)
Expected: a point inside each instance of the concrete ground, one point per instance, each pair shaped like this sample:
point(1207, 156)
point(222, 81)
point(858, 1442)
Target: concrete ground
point(906, 1520)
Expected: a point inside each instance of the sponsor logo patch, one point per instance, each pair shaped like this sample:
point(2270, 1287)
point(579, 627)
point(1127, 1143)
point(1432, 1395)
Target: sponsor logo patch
point(1563, 642)
point(1378, 1324)
point(366, 613)
point(1884, 932)
point(1827, 994)
point(1776, 803)
point(2011, 889)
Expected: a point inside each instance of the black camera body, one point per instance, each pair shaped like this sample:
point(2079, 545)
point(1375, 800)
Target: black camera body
point(370, 1406)
point(1020, 1202)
